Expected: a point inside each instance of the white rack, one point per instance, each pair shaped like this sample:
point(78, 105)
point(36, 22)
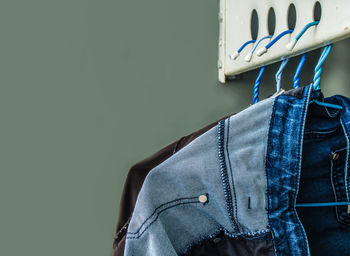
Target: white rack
point(235, 29)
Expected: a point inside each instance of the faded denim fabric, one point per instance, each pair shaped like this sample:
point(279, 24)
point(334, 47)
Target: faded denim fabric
point(245, 148)
point(242, 179)
point(169, 218)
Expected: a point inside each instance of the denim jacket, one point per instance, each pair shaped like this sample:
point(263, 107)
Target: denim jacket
point(234, 189)
point(136, 176)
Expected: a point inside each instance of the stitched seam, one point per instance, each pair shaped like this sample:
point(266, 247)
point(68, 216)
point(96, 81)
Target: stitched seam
point(246, 234)
point(160, 206)
point(330, 114)
point(223, 169)
point(338, 150)
point(347, 159)
point(300, 148)
point(267, 162)
point(158, 213)
point(233, 185)
point(321, 132)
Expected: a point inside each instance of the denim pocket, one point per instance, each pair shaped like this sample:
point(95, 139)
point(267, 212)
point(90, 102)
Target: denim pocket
point(318, 135)
point(200, 199)
point(338, 158)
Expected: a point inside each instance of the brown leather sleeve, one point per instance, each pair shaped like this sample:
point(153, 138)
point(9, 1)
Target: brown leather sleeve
point(135, 179)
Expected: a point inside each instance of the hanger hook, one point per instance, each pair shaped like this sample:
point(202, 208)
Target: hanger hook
point(296, 78)
point(257, 84)
point(318, 68)
point(279, 74)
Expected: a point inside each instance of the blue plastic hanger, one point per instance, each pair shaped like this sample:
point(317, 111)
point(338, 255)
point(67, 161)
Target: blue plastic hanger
point(296, 78)
point(236, 54)
point(317, 78)
point(264, 49)
point(279, 74)
point(250, 54)
point(293, 42)
point(257, 84)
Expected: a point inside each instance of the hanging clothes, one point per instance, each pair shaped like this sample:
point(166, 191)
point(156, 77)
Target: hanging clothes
point(236, 186)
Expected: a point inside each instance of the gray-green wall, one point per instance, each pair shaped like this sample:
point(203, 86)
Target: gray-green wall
point(89, 88)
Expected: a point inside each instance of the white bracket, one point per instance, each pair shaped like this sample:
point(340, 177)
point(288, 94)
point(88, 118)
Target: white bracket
point(235, 29)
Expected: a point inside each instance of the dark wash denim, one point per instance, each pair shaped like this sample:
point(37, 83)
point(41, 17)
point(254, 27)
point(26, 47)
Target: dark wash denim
point(323, 180)
point(300, 169)
point(252, 168)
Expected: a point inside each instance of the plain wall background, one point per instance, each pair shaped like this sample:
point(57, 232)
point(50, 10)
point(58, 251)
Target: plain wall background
point(89, 88)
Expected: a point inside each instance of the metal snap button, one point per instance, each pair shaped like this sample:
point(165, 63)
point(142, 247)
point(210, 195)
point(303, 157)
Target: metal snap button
point(203, 199)
point(335, 156)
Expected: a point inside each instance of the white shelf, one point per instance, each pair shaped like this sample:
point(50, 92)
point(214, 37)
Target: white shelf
point(235, 29)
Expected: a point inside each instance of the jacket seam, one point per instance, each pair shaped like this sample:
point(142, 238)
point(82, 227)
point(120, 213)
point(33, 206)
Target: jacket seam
point(300, 148)
point(233, 185)
point(347, 184)
point(269, 148)
point(157, 212)
point(224, 175)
